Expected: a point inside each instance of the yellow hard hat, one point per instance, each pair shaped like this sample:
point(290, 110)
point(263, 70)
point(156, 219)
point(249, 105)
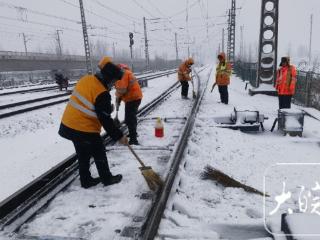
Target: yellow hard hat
point(104, 60)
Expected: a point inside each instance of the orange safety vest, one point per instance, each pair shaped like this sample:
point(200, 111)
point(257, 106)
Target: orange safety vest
point(80, 112)
point(223, 71)
point(286, 80)
point(128, 88)
point(183, 72)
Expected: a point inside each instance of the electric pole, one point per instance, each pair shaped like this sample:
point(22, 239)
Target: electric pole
point(177, 53)
point(187, 23)
point(146, 43)
point(59, 42)
point(310, 40)
point(222, 44)
point(241, 43)
point(25, 40)
point(85, 39)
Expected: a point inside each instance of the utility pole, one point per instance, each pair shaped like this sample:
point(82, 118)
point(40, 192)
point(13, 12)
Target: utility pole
point(146, 43)
point(176, 41)
point(222, 44)
point(187, 23)
point(59, 42)
point(241, 43)
point(25, 40)
point(310, 40)
point(85, 39)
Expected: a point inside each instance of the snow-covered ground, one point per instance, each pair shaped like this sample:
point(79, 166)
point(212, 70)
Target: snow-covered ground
point(30, 144)
point(198, 209)
point(103, 212)
point(201, 209)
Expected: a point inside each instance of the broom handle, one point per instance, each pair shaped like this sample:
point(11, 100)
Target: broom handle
point(136, 156)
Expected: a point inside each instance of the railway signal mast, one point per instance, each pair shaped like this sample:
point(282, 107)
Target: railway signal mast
point(268, 43)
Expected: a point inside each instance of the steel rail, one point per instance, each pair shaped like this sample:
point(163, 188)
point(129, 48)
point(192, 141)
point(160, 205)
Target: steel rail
point(28, 109)
point(22, 205)
point(71, 84)
point(150, 228)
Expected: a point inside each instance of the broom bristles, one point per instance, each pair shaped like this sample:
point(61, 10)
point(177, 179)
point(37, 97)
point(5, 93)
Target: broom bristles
point(214, 174)
point(152, 178)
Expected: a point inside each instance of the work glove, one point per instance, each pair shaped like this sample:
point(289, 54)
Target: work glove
point(124, 140)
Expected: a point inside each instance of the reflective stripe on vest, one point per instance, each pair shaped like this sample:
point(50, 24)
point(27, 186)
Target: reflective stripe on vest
point(85, 102)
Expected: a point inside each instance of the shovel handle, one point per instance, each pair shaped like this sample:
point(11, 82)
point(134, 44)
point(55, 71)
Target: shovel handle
point(136, 156)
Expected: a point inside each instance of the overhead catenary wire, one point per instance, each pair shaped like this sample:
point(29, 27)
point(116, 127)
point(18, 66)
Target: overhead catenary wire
point(143, 8)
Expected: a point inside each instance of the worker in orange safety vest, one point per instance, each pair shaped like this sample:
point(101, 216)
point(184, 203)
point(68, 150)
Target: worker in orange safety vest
point(184, 77)
point(223, 73)
point(89, 108)
point(128, 90)
point(286, 82)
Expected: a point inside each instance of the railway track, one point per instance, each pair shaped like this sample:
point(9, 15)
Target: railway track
point(12, 109)
point(71, 84)
point(21, 206)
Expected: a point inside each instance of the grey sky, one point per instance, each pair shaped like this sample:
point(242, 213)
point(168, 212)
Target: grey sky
point(114, 26)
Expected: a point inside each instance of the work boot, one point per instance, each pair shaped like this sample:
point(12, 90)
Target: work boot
point(184, 97)
point(90, 183)
point(133, 141)
point(112, 180)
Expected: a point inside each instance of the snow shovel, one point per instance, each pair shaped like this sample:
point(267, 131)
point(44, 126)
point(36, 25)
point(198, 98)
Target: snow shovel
point(152, 178)
point(226, 181)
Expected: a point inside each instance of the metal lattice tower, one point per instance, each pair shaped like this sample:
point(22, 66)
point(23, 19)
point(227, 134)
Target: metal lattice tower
point(268, 42)
point(232, 31)
point(86, 39)
point(229, 38)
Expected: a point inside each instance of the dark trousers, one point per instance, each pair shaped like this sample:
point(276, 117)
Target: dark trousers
point(131, 110)
point(86, 149)
point(224, 95)
point(184, 88)
point(285, 101)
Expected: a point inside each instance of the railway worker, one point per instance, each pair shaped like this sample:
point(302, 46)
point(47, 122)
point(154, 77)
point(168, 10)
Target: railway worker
point(286, 82)
point(184, 76)
point(61, 81)
point(128, 90)
point(88, 109)
point(223, 73)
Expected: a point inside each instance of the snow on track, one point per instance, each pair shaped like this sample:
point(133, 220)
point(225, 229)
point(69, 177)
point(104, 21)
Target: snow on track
point(201, 209)
point(30, 144)
point(103, 212)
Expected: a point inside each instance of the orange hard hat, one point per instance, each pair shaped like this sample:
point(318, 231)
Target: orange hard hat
point(104, 60)
point(190, 61)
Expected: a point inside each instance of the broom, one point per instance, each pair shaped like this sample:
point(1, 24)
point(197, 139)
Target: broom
point(152, 178)
point(213, 86)
point(216, 175)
